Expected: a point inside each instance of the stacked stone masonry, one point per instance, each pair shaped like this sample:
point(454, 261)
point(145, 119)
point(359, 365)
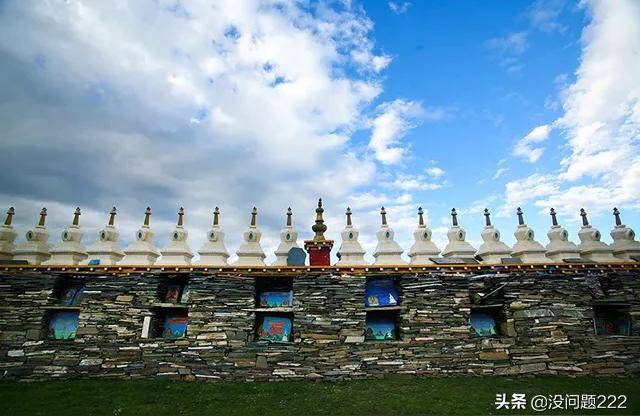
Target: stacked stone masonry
point(546, 323)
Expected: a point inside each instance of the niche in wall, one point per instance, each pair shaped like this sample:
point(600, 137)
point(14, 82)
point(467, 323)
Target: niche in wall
point(274, 326)
point(62, 317)
point(381, 300)
point(274, 292)
point(487, 321)
point(169, 323)
point(611, 320)
point(381, 292)
point(274, 308)
point(174, 289)
point(382, 325)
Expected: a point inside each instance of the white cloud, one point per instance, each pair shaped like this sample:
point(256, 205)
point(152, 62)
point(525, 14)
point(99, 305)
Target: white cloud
point(601, 120)
point(507, 50)
point(544, 14)
point(514, 43)
point(411, 182)
point(435, 172)
point(233, 104)
point(399, 7)
point(499, 173)
point(395, 119)
point(526, 146)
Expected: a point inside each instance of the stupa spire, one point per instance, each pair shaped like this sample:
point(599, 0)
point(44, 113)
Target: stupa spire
point(76, 217)
point(216, 215)
point(7, 237)
point(147, 217)
point(554, 220)
point(250, 252)
point(487, 217)
point(583, 214)
point(105, 250)
point(616, 214)
point(177, 251)
point(423, 249)
point(492, 250)
point(142, 251)
point(43, 217)
point(559, 247)
point(10, 213)
point(70, 250)
point(624, 244)
point(112, 217)
point(213, 251)
point(36, 249)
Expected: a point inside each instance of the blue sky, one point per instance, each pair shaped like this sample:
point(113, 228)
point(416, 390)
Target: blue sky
point(437, 104)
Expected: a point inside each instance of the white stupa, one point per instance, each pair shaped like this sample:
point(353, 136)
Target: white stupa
point(387, 251)
point(177, 251)
point(457, 246)
point(142, 251)
point(423, 248)
point(624, 244)
point(492, 250)
point(70, 250)
point(559, 247)
point(106, 249)
point(35, 250)
point(288, 240)
point(591, 248)
point(213, 252)
point(7, 237)
point(526, 247)
point(250, 252)
point(351, 252)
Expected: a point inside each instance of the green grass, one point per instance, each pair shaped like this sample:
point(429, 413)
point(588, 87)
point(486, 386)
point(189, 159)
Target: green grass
point(368, 397)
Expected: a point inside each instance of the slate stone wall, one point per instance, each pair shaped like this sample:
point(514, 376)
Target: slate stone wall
point(547, 326)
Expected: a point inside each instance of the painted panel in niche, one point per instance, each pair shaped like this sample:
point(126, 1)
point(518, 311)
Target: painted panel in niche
point(175, 325)
point(64, 324)
point(381, 292)
point(275, 328)
point(380, 328)
point(483, 324)
point(276, 299)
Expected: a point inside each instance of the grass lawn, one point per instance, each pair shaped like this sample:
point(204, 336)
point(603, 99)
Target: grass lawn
point(369, 397)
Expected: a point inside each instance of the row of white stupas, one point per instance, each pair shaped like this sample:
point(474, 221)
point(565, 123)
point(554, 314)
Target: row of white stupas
point(71, 251)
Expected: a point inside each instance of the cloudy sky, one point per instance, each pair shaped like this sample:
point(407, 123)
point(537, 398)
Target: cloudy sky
point(238, 103)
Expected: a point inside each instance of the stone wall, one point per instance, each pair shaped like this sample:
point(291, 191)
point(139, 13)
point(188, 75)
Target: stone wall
point(546, 314)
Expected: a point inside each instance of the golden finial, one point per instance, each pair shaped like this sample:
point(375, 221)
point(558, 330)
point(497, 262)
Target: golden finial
point(348, 216)
point(420, 217)
point(319, 228)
